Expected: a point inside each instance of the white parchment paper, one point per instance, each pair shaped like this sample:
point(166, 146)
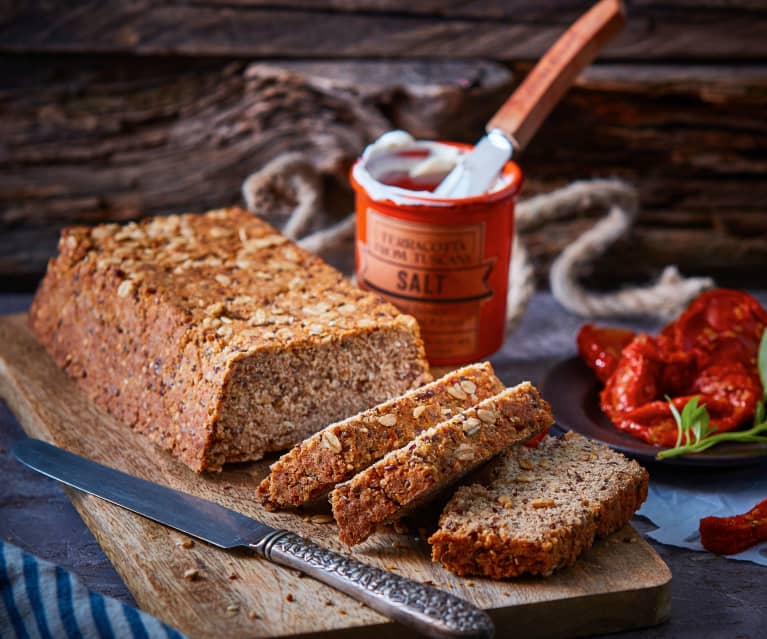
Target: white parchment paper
point(680, 497)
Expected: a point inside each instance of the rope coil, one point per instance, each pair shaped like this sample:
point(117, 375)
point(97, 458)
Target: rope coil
point(292, 185)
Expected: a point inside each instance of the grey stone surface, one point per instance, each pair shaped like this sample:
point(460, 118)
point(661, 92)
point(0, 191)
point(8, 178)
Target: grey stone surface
point(712, 597)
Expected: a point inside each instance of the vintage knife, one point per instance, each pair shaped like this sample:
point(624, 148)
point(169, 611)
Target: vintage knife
point(511, 128)
point(426, 609)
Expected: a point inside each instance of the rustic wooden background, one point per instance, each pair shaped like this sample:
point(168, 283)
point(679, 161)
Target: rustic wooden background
point(115, 109)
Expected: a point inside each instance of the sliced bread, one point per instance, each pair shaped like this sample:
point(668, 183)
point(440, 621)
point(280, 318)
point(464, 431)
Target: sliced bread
point(542, 508)
point(436, 458)
point(333, 455)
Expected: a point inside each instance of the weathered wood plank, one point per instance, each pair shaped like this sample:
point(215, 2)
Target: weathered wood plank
point(561, 11)
point(709, 82)
point(94, 142)
point(83, 140)
point(508, 31)
point(475, 8)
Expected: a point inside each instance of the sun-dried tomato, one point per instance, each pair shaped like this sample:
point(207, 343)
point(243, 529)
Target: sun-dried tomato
point(730, 535)
point(715, 316)
point(733, 383)
point(633, 395)
point(537, 439)
point(601, 347)
point(634, 381)
point(709, 352)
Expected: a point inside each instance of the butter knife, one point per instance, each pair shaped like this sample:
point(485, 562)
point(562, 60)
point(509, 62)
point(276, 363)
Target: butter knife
point(424, 608)
point(511, 128)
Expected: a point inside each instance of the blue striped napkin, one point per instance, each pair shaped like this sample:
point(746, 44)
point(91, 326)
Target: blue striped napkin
point(41, 600)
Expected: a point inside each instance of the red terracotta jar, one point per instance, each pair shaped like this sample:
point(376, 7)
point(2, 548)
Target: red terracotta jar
point(444, 261)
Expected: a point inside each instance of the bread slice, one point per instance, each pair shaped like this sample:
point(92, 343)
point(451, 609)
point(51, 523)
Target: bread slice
point(218, 337)
point(436, 458)
point(542, 509)
point(333, 455)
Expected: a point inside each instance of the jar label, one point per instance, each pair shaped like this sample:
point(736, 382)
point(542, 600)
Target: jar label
point(436, 273)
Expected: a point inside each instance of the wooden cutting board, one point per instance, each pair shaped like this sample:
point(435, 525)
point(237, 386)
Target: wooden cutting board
point(621, 583)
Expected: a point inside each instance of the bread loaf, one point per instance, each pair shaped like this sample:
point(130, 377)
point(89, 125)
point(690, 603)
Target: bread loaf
point(216, 336)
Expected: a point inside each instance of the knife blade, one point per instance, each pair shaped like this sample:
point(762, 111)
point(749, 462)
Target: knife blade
point(477, 170)
point(422, 607)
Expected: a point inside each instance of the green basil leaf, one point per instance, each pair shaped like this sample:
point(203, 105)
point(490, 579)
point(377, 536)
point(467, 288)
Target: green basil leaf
point(691, 412)
point(688, 413)
point(697, 431)
point(675, 413)
point(759, 413)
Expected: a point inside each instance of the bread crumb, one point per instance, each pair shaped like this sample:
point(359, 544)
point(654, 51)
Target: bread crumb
point(486, 415)
point(471, 426)
point(329, 440)
point(321, 518)
point(125, 288)
point(387, 420)
point(457, 392)
point(469, 386)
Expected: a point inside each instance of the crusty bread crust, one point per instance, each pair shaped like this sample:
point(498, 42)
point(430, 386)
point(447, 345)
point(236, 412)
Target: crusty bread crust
point(216, 336)
point(333, 455)
point(542, 509)
point(435, 459)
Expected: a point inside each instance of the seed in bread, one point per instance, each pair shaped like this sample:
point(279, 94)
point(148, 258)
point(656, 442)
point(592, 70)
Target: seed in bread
point(409, 476)
point(542, 508)
point(313, 467)
point(218, 337)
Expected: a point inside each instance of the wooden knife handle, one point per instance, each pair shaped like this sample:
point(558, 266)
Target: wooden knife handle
point(522, 114)
point(428, 610)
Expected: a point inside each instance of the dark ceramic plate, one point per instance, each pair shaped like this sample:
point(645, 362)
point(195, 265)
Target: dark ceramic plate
point(573, 392)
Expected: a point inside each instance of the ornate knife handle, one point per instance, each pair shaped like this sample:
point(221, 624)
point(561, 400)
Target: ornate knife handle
point(426, 609)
